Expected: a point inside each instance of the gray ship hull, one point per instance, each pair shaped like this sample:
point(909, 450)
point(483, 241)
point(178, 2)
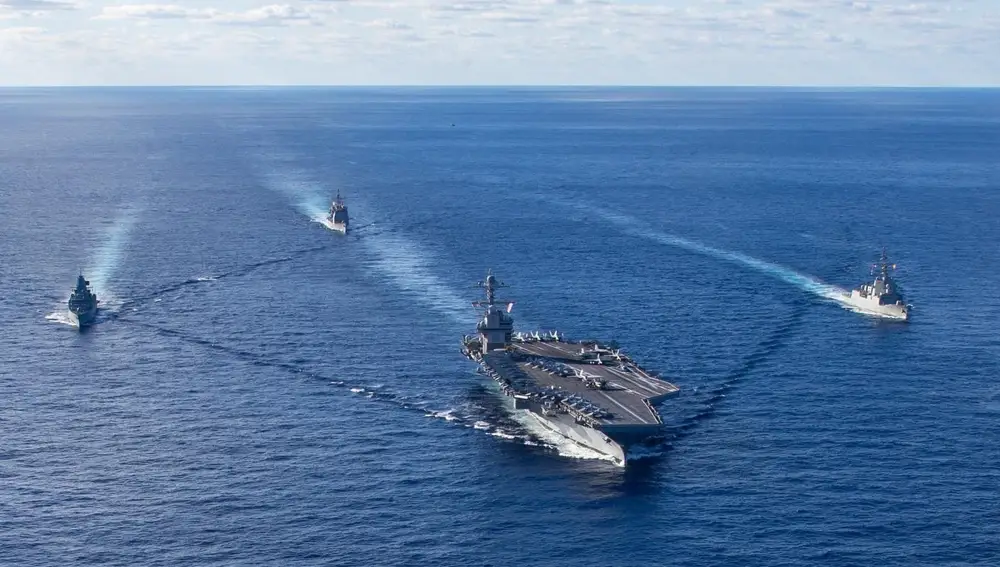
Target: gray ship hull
point(591, 394)
point(584, 436)
point(616, 442)
point(84, 318)
point(340, 227)
point(871, 305)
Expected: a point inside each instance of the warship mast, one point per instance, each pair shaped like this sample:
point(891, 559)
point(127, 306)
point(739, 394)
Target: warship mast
point(496, 326)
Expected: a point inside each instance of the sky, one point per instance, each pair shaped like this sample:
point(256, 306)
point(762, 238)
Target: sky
point(501, 42)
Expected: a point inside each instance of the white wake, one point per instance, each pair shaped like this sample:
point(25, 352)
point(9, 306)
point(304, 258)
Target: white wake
point(410, 268)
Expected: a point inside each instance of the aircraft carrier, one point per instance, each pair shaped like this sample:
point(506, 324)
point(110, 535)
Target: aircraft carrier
point(591, 394)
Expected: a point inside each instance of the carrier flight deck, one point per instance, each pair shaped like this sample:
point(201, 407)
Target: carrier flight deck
point(589, 393)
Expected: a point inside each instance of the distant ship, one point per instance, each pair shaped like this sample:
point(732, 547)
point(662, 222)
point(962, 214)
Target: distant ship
point(591, 394)
point(337, 218)
point(881, 297)
point(83, 303)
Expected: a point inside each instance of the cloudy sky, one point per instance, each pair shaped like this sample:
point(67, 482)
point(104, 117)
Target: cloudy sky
point(472, 42)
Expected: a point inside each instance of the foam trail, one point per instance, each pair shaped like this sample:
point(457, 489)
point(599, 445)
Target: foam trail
point(305, 196)
point(409, 268)
point(802, 281)
point(62, 317)
point(109, 255)
point(403, 261)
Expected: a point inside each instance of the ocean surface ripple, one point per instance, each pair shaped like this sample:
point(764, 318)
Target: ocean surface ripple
point(260, 390)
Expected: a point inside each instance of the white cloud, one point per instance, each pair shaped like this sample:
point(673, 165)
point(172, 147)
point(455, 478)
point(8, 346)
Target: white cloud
point(272, 15)
point(388, 24)
point(19, 9)
point(520, 41)
point(35, 5)
point(154, 12)
point(16, 34)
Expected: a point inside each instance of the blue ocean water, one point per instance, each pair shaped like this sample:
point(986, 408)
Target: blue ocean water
point(263, 391)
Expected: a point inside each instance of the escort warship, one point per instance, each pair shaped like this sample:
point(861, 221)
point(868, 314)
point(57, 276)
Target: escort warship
point(337, 218)
point(881, 297)
point(83, 303)
point(591, 394)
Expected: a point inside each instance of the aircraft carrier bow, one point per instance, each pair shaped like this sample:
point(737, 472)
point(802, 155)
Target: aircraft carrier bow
point(590, 394)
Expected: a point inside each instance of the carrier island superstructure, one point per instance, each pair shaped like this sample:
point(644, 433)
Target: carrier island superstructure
point(591, 394)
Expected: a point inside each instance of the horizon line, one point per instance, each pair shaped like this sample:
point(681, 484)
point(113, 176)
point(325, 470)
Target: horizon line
point(501, 86)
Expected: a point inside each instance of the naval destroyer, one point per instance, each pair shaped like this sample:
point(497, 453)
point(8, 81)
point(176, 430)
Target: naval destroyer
point(881, 297)
point(591, 394)
point(337, 218)
point(83, 303)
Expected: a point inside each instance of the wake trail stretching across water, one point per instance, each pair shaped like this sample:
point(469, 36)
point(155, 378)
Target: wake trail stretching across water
point(304, 195)
point(110, 255)
point(375, 392)
point(234, 273)
point(397, 257)
point(400, 259)
point(409, 267)
point(717, 393)
point(470, 415)
point(804, 282)
point(135, 302)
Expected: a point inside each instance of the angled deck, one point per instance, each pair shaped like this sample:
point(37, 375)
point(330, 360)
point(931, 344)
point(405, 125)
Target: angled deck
point(627, 395)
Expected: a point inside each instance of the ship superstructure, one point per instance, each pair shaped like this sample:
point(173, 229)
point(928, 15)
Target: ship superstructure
point(585, 391)
point(337, 218)
point(83, 303)
point(881, 297)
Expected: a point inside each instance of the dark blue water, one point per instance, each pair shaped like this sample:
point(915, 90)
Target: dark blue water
point(263, 391)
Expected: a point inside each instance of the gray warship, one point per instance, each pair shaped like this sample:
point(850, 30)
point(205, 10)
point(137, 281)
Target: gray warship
point(881, 297)
point(337, 218)
point(585, 391)
point(83, 303)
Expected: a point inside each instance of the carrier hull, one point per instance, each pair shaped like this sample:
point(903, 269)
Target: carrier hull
point(586, 392)
point(584, 436)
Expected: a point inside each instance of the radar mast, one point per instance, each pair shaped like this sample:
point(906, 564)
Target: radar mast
point(496, 326)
